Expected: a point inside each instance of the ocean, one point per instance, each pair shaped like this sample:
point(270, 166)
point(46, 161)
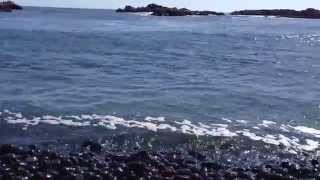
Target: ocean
point(72, 74)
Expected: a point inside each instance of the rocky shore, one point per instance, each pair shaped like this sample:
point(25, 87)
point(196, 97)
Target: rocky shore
point(93, 162)
point(308, 13)
point(158, 10)
point(8, 6)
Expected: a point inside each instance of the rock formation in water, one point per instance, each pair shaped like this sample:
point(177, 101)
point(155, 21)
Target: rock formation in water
point(158, 10)
point(8, 6)
point(308, 13)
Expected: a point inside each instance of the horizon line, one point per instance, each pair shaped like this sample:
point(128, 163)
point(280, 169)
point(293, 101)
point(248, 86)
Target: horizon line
point(93, 8)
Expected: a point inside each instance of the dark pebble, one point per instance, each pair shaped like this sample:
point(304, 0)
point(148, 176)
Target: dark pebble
point(315, 162)
point(211, 165)
point(182, 177)
point(140, 156)
point(92, 146)
point(184, 172)
point(138, 167)
point(8, 148)
point(197, 155)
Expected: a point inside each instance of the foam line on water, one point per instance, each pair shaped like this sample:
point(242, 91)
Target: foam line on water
point(285, 135)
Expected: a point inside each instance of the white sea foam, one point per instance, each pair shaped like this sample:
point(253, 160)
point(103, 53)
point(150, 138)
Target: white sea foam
point(310, 39)
point(242, 121)
point(307, 130)
point(311, 145)
point(159, 119)
point(142, 13)
point(308, 136)
point(249, 16)
point(250, 135)
point(266, 123)
point(284, 128)
point(227, 120)
point(220, 125)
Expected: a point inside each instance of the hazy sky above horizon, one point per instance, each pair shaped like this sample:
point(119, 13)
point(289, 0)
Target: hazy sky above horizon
point(218, 5)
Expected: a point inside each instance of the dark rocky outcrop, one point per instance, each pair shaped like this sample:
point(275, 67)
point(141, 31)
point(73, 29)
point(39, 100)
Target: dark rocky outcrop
point(158, 10)
point(8, 6)
point(308, 13)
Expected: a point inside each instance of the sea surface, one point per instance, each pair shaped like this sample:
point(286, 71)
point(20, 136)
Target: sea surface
point(70, 74)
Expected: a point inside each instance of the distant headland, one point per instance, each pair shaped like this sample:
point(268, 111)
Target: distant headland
point(8, 6)
point(158, 10)
point(308, 13)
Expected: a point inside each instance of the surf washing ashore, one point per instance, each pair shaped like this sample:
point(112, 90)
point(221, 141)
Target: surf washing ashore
point(100, 94)
point(194, 151)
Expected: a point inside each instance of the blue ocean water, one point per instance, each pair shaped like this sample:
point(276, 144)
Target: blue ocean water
point(203, 75)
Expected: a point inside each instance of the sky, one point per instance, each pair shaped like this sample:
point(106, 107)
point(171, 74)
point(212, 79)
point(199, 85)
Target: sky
point(217, 5)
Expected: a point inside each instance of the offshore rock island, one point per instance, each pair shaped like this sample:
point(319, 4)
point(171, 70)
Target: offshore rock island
point(308, 13)
point(158, 10)
point(8, 6)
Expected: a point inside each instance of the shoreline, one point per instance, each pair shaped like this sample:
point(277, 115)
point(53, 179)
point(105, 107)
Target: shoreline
point(92, 161)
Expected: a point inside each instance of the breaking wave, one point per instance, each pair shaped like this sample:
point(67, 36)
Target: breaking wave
point(142, 13)
point(310, 39)
point(294, 138)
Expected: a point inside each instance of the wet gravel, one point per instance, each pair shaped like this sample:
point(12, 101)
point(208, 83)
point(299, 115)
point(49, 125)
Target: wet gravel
point(93, 162)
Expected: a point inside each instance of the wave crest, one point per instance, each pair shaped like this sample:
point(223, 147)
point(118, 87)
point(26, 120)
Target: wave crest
point(267, 131)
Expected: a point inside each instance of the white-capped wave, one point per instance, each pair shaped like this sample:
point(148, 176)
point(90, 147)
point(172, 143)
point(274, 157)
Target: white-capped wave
point(307, 130)
point(310, 39)
point(285, 135)
point(142, 13)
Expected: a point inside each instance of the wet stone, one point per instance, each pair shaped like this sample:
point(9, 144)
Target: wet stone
point(197, 155)
point(211, 165)
point(182, 177)
point(8, 148)
point(168, 172)
point(285, 164)
point(120, 158)
point(184, 172)
point(315, 162)
point(140, 156)
point(196, 176)
point(83, 165)
point(9, 158)
point(92, 146)
point(138, 167)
